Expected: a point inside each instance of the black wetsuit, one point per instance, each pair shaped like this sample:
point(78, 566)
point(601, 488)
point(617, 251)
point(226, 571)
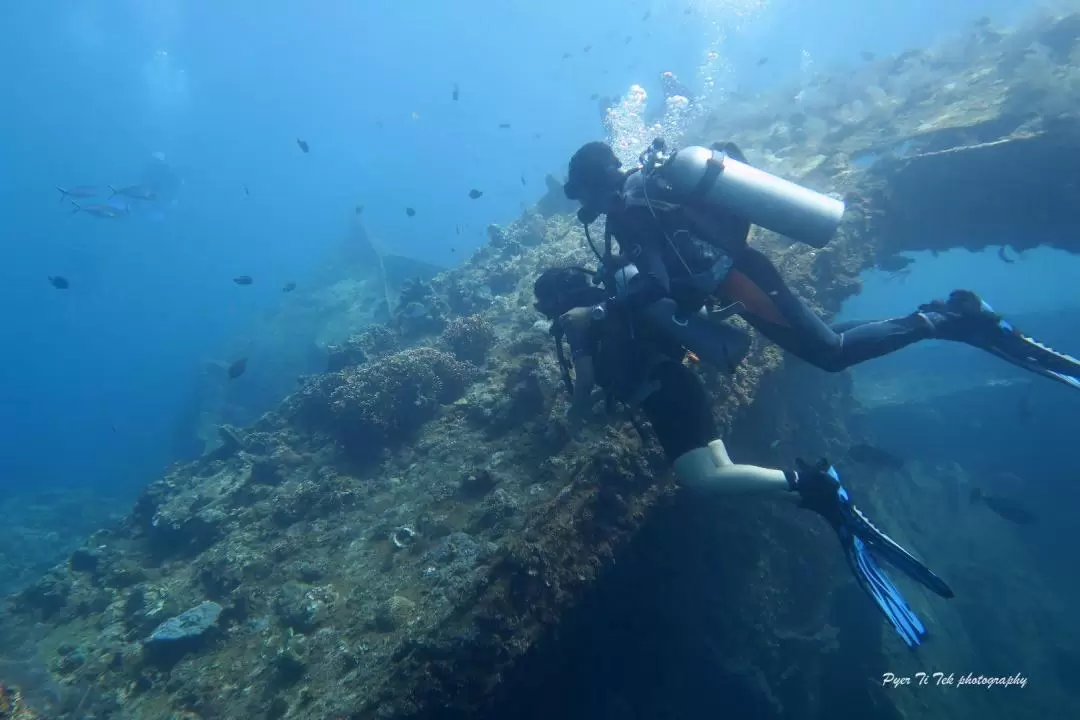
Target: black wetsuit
point(770, 306)
point(678, 405)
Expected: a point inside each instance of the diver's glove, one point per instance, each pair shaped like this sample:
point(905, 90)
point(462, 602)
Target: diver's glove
point(967, 318)
point(820, 489)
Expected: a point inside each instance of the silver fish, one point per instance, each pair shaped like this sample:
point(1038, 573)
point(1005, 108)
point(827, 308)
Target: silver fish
point(98, 210)
point(135, 192)
point(78, 191)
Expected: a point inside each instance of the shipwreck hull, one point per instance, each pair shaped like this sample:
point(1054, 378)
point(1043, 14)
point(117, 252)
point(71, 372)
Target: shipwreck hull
point(439, 547)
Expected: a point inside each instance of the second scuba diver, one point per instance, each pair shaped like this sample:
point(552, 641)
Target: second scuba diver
point(687, 216)
point(645, 369)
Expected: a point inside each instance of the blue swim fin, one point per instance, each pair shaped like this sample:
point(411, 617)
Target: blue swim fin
point(864, 545)
point(968, 318)
point(1013, 346)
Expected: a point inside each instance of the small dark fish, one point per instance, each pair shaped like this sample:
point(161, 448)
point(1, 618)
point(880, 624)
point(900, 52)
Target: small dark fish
point(867, 56)
point(984, 21)
point(536, 136)
point(246, 191)
point(79, 191)
point(456, 93)
point(587, 48)
point(629, 39)
point(457, 229)
point(647, 15)
point(289, 287)
point(410, 212)
point(762, 61)
point(523, 183)
point(474, 193)
point(303, 145)
point(243, 280)
point(58, 282)
point(135, 192)
point(454, 250)
point(378, 124)
point(1005, 507)
point(359, 209)
point(504, 126)
point(594, 96)
point(237, 368)
point(688, 11)
point(1004, 256)
point(566, 56)
point(874, 457)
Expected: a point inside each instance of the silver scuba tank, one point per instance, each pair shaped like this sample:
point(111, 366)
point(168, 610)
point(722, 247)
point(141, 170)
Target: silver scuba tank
point(704, 176)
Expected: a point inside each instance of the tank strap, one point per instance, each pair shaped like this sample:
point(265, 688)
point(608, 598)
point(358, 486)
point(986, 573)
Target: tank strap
point(713, 168)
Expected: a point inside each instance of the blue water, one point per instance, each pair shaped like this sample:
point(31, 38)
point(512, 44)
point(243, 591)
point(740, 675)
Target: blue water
point(92, 378)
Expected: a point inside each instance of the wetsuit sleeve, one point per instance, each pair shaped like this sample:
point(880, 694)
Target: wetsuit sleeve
point(641, 238)
point(577, 325)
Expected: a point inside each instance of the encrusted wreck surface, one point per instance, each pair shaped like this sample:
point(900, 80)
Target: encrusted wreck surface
point(418, 536)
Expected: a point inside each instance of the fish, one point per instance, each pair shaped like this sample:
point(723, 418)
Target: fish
point(289, 287)
point(456, 93)
point(474, 193)
point(410, 212)
point(453, 250)
point(378, 124)
point(243, 280)
point(359, 209)
point(237, 368)
point(523, 183)
point(647, 15)
point(1003, 255)
point(867, 55)
point(99, 210)
point(246, 191)
point(504, 126)
point(1004, 507)
point(594, 96)
point(566, 56)
point(587, 48)
point(303, 145)
point(762, 61)
point(135, 192)
point(874, 457)
point(79, 191)
point(457, 229)
point(536, 136)
point(58, 282)
point(628, 39)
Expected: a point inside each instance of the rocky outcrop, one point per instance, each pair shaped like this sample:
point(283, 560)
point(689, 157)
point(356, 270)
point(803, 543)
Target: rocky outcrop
point(418, 536)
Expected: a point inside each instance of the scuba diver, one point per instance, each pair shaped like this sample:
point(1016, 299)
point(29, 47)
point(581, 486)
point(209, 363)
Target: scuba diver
point(687, 215)
point(644, 369)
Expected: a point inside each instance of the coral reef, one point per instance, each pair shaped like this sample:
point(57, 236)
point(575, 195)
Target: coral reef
point(472, 548)
point(469, 338)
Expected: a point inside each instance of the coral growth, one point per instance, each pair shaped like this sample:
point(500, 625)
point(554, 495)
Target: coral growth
point(469, 338)
point(420, 310)
point(383, 403)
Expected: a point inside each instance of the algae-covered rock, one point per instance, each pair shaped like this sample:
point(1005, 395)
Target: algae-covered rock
point(187, 625)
